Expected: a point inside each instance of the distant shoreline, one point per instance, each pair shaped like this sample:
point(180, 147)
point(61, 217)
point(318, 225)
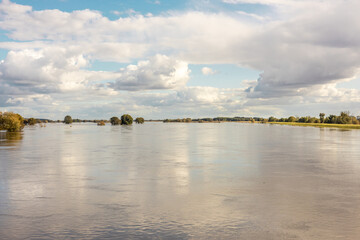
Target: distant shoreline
point(320, 125)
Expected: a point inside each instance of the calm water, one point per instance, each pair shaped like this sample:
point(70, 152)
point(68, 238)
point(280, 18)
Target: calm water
point(180, 181)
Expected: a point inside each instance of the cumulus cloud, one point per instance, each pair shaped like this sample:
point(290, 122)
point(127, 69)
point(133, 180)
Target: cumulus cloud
point(47, 70)
point(159, 72)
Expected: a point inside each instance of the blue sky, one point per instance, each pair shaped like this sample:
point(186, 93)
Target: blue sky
point(144, 6)
point(169, 59)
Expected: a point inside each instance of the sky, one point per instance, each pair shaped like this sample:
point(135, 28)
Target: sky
point(162, 59)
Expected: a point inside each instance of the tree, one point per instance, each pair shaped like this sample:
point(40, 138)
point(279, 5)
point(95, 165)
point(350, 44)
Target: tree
point(11, 122)
point(126, 119)
point(115, 121)
point(68, 120)
point(331, 119)
point(139, 120)
point(291, 119)
point(272, 119)
point(322, 117)
point(344, 118)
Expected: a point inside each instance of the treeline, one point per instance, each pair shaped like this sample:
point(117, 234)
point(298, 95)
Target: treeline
point(343, 118)
point(217, 119)
point(178, 120)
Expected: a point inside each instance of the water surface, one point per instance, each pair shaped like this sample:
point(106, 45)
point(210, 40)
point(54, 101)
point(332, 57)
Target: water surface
point(180, 181)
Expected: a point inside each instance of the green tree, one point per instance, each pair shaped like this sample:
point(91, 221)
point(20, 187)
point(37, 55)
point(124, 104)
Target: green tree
point(344, 118)
point(331, 119)
point(139, 120)
point(304, 119)
point(322, 117)
point(126, 119)
point(291, 119)
point(68, 120)
point(115, 121)
point(11, 122)
point(272, 119)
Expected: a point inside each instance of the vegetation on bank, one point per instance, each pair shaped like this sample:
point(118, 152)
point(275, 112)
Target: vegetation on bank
point(217, 119)
point(321, 125)
point(343, 118)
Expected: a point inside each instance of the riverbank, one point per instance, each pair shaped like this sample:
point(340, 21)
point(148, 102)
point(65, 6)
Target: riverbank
point(321, 125)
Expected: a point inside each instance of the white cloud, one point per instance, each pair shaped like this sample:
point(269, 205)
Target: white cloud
point(207, 71)
point(252, 15)
point(159, 72)
point(47, 70)
point(266, 2)
point(30, 98)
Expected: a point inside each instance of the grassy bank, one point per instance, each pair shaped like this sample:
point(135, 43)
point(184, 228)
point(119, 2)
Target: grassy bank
point(327, 125)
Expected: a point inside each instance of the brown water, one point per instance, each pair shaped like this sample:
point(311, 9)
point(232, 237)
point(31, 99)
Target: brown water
point(180, 181)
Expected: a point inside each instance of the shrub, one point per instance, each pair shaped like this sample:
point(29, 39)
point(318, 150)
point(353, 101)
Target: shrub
point(68, 120)
point(101, 123)
point(139, 120)
point(31, 121)
point(126, 119)
point(115, 121)
point(11, 122)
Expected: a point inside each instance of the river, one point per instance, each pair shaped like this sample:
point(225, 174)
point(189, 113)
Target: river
point(180, 181)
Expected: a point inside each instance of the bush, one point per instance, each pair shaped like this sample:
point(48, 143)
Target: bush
point(139, 120)
point(31, 121)
point(68, 120)
point(101, 123)
point(115, 121)
point(11, 122)
point(126, 119)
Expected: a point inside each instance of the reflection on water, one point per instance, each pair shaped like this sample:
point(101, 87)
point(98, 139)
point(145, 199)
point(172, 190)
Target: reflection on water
point(180, 181)
point(10, 139)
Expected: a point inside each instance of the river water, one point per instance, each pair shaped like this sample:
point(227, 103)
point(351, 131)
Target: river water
point(180, 181)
